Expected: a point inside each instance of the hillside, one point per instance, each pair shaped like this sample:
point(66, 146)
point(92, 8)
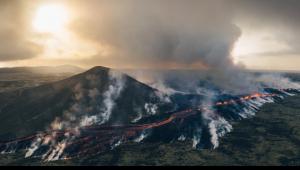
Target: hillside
point(26, 111)
point(270, 138)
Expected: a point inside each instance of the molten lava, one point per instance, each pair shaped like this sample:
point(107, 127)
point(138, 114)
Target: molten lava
point(98, 138)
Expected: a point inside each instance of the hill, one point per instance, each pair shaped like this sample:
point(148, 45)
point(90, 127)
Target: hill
point(92, 93)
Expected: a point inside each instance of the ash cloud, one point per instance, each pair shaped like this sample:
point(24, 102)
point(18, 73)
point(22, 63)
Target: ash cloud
point(172, 34)
point(181, 32)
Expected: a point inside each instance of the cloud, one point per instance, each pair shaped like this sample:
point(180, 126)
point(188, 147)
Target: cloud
point(14, 44)
point(156, 33)
point(281, 18)
point(161, 31)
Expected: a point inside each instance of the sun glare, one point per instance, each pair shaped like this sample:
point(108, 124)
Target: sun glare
point(59, 42)
point(51, 18)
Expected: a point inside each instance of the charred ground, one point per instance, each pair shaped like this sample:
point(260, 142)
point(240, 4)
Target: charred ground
point(270, 138)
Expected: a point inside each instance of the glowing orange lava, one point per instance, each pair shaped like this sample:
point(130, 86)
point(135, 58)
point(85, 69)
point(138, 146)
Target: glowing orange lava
point(94, 139)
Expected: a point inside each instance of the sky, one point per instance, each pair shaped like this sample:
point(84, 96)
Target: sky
point(156, 34)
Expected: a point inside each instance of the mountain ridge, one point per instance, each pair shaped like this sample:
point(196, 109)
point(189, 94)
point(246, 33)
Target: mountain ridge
point(42, 69)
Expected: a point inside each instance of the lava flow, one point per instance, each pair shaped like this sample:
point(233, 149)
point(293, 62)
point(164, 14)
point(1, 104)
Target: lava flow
point(98, 138)
point(245, 98)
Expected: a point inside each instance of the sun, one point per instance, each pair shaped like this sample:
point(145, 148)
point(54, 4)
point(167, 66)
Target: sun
point(50, 18)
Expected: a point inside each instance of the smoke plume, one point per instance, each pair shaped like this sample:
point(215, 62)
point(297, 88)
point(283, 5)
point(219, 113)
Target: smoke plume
point(175, 33)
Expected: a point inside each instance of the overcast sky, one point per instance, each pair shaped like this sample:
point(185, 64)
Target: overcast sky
point(253, 34)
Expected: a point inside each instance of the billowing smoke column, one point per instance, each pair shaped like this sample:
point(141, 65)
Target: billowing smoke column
point(166, 34)
point(169, 34)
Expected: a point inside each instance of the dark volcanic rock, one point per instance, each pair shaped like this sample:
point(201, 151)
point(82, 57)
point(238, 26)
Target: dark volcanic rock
point(27, 111)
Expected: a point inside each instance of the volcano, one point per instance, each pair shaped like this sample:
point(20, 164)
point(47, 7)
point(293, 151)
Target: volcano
point(24, 112)
point(100, 109)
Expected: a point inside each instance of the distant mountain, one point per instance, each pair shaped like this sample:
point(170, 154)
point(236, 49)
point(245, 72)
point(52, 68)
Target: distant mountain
point(43, 69)
point(82, 99)
point(23, 77)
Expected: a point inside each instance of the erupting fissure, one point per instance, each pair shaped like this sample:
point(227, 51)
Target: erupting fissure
point(97, 138)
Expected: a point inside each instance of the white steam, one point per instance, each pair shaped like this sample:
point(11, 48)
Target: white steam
point(216, 124)
point(117, 84)
point(183, 138)
point(80, 115)
point(142, 136)
point(151, 108)
point(34, 146)
point(278, 81)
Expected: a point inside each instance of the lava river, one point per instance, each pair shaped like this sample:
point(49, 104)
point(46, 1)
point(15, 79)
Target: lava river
point(90, 140)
